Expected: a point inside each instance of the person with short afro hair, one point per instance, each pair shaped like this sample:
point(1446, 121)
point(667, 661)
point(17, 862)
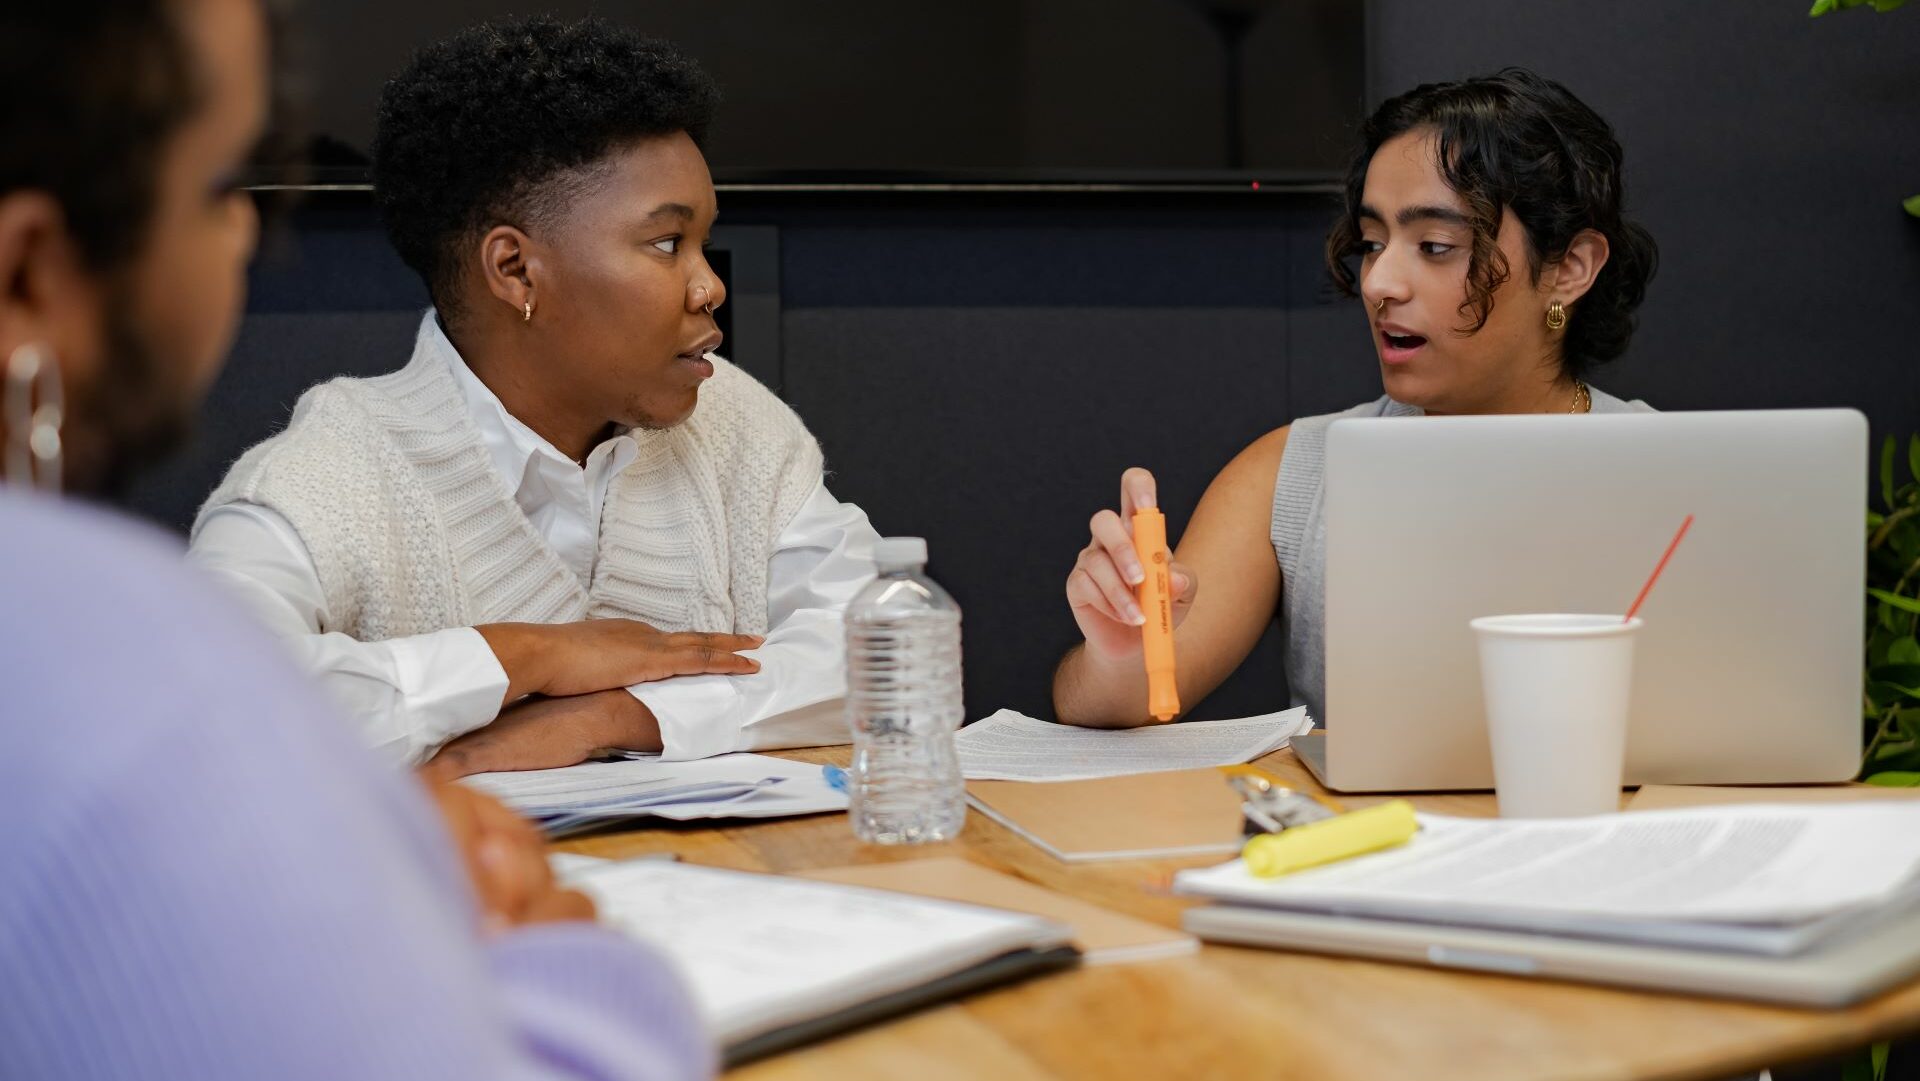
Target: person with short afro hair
point(566, 527)
point(507, 122)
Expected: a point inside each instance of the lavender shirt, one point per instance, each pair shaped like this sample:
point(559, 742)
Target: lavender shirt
point(203, 876)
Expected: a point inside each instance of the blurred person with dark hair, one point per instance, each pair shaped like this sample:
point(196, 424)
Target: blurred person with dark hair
point(204, 875)
point(1497, 270)
point(564, 505)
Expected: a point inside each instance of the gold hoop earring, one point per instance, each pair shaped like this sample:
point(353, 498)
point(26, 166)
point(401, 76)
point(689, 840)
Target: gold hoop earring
point(526, 313)
point(1556, 316)
point(33, 426)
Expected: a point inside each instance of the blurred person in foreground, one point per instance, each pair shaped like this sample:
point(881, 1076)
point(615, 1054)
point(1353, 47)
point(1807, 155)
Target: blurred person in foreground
point(205, 876)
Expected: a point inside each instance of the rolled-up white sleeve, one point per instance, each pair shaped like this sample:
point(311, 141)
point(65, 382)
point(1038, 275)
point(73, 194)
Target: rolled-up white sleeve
point(822, 558)
point(409, 695)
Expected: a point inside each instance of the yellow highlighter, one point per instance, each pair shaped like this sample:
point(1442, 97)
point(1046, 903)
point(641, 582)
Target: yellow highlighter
point(1355, 833)
point(1156, 603)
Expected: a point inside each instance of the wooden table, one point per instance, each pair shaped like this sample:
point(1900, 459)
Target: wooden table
point(1256, 1014)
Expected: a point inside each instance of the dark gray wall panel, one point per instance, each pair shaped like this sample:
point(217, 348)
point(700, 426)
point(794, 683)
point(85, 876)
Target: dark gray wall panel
point(996, 432)
point(1768, 152)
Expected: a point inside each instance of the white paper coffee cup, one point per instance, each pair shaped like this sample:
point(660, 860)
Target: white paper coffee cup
point(1556, 689)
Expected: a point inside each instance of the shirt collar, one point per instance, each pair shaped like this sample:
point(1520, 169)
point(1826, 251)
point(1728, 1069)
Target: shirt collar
point(511, 445)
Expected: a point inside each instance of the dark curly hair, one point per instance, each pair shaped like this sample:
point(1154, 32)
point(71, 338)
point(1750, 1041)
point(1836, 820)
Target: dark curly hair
point(91, 93)
point(508, 121)
point(1518, 140)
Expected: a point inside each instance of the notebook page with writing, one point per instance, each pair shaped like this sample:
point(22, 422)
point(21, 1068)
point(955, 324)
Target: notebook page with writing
point(764, 951)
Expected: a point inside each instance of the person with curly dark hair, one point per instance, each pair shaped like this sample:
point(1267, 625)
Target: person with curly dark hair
point(1497, 270)
point(565, 506)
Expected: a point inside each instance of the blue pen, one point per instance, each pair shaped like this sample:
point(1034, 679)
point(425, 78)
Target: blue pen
point(836, 777)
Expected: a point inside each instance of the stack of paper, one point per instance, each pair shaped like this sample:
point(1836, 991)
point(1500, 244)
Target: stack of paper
point(776, 961)
point(1762, 879)
point(575, 798)
point(1011, 746)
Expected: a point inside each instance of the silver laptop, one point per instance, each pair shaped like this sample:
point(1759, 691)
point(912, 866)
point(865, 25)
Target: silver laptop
point(1878, 954)
point(1749, 668)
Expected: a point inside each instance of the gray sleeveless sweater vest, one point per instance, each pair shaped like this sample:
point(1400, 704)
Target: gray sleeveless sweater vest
point(1299, 535)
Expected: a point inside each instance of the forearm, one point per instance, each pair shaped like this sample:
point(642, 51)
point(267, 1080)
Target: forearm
point(547, 733)
point(525, 652)
point(1096, 692)
point(407, 696)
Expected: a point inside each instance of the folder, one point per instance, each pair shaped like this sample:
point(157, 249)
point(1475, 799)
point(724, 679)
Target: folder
point(1145, 816)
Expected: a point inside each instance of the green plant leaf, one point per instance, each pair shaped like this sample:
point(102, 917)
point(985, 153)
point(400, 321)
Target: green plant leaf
point(1895, 779)
point(1913, 205)
point(1886, 472)
point(1825, 7)
point(1905, 604)
point(1904, 651)
point(1890, 693)
point(1906, 761)
point(1881, 1050)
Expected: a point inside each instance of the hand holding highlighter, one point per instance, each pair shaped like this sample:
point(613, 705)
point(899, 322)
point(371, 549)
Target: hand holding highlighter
point(1156, 604)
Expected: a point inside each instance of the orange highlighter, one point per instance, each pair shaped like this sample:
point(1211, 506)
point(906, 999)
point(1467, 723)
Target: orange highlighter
point(1156, 603)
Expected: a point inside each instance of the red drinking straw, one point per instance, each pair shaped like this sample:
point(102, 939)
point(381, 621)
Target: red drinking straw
point(1662, 565)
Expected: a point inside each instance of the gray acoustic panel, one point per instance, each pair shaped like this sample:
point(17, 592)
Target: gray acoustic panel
point(996, 432)
point(1768, 153)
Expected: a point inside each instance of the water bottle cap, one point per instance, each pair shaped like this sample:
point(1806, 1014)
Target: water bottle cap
point(899, 551)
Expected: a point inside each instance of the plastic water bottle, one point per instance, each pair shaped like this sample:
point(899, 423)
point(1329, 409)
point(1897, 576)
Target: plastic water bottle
point(903, 702)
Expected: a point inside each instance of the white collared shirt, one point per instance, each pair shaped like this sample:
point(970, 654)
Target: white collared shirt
point(415, 693)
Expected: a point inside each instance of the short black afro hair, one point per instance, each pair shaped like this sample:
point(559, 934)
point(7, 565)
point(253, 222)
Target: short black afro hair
point(506, 121)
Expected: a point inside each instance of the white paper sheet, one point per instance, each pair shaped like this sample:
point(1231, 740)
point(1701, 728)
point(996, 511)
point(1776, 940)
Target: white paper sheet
point(1011, 746)
point(729, 786)
point(1773, 865)
point(761, 951)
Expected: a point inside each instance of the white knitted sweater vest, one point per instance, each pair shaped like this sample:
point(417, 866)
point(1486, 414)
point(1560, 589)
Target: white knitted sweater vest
point(390, 487)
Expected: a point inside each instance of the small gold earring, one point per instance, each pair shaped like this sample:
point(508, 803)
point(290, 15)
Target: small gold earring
point(1556, 315)
point(526, 313)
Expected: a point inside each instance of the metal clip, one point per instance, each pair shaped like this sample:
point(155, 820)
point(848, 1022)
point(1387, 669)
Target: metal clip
point(1269, 807)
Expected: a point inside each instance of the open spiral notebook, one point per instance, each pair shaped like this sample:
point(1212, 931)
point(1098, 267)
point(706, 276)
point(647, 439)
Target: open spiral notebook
point(774, 962)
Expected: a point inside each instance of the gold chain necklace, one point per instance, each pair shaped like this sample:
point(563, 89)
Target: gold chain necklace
point(1582, 399)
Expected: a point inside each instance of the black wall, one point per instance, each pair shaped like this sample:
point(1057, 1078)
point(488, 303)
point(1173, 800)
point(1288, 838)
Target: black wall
point(931, 84)
point(1767, 151)
point(981, 368)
